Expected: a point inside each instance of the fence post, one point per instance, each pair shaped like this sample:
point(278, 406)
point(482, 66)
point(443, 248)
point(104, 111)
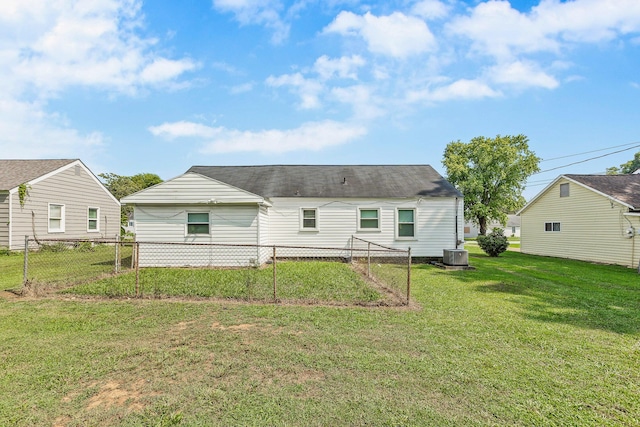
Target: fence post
point(409, 275)
point(25, 268)
point(351, 252)
point(137, 248)
point(275, 295)
point(117, 259)
point(368, 259)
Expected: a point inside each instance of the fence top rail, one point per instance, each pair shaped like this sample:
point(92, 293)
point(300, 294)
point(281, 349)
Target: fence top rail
point(101, 240)
point(379, 245)
point(248, 245)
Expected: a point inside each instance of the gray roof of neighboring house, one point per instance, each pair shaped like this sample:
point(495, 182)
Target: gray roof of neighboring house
point(625, 188)
point(333, 181)
point(16, 172)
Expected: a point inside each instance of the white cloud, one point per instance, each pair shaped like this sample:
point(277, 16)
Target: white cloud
point(257, 12)
point(522, 74)
point(396, 35)
point(27, 131)
point(184, 129)
point(459, 90)
point(307, 89)
point(345, 67)
point(497, 29)
point(48, 47)
point(365, 105)
point(311, 136)
point(431, 9)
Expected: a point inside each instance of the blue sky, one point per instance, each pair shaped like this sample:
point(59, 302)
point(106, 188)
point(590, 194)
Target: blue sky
point(135, 86)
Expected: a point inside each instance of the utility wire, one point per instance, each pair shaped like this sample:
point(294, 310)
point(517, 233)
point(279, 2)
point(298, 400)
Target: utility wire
point(587, 160)
point(636, 144)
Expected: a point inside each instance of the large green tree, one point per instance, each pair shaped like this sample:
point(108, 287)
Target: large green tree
point(121, 186)
point(628, 167)
point(491, 173)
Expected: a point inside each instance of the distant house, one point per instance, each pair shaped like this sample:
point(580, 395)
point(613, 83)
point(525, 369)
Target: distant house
point(53, 199)
point(321, 206)
point(511, 228)
point(585, 217)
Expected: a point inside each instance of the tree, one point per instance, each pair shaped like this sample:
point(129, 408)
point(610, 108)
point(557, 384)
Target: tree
point(121, 186)
point(628, 167)
point(491, 173)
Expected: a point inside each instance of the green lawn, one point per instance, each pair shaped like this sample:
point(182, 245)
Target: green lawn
point(520, 341)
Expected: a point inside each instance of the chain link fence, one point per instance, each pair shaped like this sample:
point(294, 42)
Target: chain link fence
point(360, 273)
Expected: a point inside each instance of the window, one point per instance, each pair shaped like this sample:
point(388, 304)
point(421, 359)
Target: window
point(198, 223)
point(93, 219)
point(564, 190)
point(309, 219)
point(406, 222)
point(552, 226)
point(56, 218)
point(369, 219)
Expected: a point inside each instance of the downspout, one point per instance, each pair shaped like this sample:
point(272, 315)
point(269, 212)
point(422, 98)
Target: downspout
point(457, 235)
point(258, 242)
point(10, 219)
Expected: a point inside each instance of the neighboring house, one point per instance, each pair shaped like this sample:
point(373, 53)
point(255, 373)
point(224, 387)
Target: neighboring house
point(314, 206)
point(60, 199)
point(586, 217)
point(511, 228)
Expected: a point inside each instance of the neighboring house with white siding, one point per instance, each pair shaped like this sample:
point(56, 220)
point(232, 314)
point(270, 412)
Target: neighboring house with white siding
point(53, 199)
point(585, 217)
point(511, 228)
point(399, 206)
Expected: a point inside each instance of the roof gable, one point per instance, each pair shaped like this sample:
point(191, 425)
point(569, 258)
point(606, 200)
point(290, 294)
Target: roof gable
point(334, 181)
point(191, 188)
point(16, 172)
point(624, 189)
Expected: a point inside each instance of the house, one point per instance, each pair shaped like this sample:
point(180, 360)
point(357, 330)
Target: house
point(511, 228)
point(398, 206)
point(59, 199)
point(586, 217)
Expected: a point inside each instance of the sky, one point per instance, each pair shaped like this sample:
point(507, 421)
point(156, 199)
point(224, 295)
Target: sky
point(131, 86)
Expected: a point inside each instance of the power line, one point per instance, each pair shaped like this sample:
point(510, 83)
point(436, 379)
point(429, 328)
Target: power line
point(587, 160)
point(593, 151)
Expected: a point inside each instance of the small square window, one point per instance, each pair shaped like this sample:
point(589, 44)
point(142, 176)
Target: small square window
point(369, 219)
point(198, 223)
point(551, 226)
point(93, 219)
point(564, 190)
point(406, 222)
point(309, 219)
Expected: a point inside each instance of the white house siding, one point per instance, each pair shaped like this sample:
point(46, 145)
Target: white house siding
point(77, 190)
point(591, 227)
point(191, 188)
point(229, 224)
point(263, 235)
point(337, 221)
point(4, 220)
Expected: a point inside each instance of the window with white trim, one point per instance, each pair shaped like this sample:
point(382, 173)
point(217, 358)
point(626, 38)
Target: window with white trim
point(309, 219)
point(56, 218)
point(198, 223)
point(93, 220)
point(406, 223)
point(368, 219)
point(552, 226)
point(564, 190)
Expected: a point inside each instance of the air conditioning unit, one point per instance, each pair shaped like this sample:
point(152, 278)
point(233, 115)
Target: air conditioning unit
point(455, 257)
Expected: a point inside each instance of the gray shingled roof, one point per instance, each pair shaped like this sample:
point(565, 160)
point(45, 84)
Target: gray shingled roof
point(370, 181)
point(16, 172)
point(625, 188)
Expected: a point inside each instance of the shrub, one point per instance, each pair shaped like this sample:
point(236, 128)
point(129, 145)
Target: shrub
point(53, 247)
point(494, 243)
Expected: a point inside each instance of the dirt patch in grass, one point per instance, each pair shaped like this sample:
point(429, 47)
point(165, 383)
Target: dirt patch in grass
point(115, 393)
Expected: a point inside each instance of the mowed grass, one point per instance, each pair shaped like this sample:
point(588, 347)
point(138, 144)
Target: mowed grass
point(520, 341)
point(313, 281)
